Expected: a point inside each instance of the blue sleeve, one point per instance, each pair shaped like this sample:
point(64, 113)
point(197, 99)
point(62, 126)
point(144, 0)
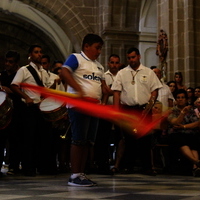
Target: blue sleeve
point(71, 62)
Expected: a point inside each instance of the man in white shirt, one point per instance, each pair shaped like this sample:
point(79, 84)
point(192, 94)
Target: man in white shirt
point(164, 94)
point(136, 87)
point(110, 75)
point(105, 128)
point(37, 138)
point(54, 79)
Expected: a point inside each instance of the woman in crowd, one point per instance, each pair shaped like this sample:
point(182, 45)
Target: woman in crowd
point(172, 87)
point(184, 127)
point(178, 78)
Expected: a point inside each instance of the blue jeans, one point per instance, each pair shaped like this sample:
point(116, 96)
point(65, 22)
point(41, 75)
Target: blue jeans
point(83, 127)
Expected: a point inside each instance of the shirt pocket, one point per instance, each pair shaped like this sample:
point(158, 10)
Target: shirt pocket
point(143, 78)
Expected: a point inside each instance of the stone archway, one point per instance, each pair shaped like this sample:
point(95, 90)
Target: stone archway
point(66, 22)
point(27, 22)
point(18, 34)
point(67, 15)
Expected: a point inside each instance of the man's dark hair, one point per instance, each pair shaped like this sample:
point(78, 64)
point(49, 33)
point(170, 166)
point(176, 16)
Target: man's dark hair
point(47, 57)
point(57, 61)
point(13, 54)
point(181, 91)
point(133, 49)
point(169, 82)
point(198, 87)
point(153, 67)
point(55, 71)
point(114, 55)
point(178, 73)
point(91, 39)
point(30, 50)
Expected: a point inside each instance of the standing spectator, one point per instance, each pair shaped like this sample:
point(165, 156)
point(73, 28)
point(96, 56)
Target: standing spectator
point(178, 78)
point(164, 94)
point(38, 134)
point(63, 85)
point(14, 131)
point(54, 79)
point(173, 87)
point(84, 76)
point(134, 87)
point(57, 128)
point(56, 64)
point(106, 128)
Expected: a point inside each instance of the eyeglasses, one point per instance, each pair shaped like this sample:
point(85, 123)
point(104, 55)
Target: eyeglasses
point(189, 91)
point(44, 63)
point(197, 91)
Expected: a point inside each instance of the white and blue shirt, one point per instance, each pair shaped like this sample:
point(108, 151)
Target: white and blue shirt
point(87, 73)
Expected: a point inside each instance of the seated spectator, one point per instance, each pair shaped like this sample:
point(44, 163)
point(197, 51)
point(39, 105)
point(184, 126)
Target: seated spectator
point(191, 97)
point(197, 92)
point(197, 109)
point(183, 130)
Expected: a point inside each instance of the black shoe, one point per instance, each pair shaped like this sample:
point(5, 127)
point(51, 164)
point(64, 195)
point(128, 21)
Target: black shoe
point(150, 172)
point(48, 172)
point(114, 170)
point(30, 173)
point(196, 172)
point(198, 163)
point(127, 171)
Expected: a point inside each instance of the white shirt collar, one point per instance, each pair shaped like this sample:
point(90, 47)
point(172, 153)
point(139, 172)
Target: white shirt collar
point(35, 66)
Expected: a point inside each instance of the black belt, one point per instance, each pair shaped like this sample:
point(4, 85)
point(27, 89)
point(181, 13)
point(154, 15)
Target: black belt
point(139, 107)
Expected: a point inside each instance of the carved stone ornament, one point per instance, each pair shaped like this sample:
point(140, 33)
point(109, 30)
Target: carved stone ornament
point(161, 51)
point(162, 46)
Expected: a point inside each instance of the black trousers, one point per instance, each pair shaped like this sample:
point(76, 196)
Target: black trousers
point(135, 148)
point(38, 143)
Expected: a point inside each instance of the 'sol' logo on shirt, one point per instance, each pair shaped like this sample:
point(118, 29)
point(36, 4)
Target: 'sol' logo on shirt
point(92, 77)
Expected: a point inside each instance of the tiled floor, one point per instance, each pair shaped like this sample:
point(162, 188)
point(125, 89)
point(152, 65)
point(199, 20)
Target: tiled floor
point(122, 186)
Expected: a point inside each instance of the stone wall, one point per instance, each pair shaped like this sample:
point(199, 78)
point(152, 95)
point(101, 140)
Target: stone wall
point(180, 20)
